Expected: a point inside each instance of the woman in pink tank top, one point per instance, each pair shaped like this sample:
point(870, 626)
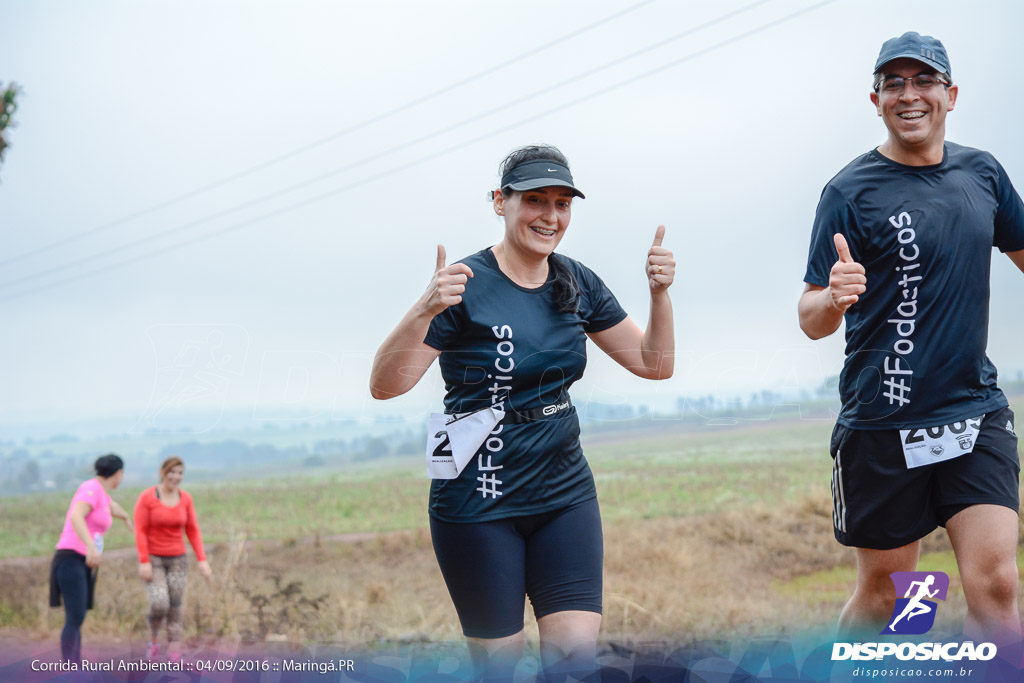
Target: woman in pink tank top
point(74, 566)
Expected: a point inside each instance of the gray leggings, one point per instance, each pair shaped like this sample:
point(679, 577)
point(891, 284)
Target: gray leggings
point(166, 593)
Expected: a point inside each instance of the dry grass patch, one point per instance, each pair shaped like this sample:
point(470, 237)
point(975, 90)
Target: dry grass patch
point(755, 570)
point(665, 579)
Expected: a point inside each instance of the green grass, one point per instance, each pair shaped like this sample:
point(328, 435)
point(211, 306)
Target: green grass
point(641, 475)
point(835, 583)
point(270, 508)
point(651, 473)
point(692, 473)
point(667, 470)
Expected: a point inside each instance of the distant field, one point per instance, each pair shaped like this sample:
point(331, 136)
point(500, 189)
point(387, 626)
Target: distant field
point(283, 508)
point(709, 531)
point(694, 473)
point(639, 474)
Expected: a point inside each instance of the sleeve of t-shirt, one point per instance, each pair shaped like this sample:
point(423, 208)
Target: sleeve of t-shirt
point(601, 310)
point(834, 214)
point(89, 492)
point(1009, 221)
point(142, 527)
point(192, 528)
point(444, 328)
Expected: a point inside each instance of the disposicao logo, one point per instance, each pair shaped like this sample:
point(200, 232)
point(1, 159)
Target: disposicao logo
point(914, 613)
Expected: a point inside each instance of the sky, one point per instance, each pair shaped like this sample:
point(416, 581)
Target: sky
point(214, 208)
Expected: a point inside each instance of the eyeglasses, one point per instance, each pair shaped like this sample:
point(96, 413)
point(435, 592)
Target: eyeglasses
point(922, 83)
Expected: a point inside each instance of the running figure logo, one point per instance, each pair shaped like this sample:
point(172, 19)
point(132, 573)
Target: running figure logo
point(914, 614)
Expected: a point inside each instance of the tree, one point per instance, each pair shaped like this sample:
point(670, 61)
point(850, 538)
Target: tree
point(8, 105)
point(30, 475)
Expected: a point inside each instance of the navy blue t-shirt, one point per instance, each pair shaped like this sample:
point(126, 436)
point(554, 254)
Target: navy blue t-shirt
point(916, 339)
point(508, 342)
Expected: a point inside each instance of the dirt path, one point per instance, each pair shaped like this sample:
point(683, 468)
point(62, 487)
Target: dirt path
point(125, 553)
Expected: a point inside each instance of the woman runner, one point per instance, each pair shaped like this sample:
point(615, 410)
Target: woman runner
point(161, 514)
point(76, 562)
point(510, 325)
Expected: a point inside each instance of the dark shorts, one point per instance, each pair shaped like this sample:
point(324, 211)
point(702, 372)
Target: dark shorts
point(490, 567)
point(878, 502)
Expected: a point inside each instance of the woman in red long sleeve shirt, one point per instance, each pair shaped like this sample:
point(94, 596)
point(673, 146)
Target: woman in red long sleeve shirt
point(161, 514)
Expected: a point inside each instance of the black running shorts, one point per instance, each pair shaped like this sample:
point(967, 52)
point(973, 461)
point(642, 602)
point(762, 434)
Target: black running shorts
point(490, 567)
point(878, 502)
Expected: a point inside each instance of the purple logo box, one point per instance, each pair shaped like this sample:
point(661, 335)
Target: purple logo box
point(902, 581)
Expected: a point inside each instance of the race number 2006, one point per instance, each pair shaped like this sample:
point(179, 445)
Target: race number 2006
point(928, 445)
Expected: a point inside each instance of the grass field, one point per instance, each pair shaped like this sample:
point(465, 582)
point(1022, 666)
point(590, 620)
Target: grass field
point(639, 475)
point(708, 531)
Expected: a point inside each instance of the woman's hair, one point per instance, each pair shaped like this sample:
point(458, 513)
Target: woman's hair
point(108, 465)
point(565, 289)
point(173, 461)
point(531, 153)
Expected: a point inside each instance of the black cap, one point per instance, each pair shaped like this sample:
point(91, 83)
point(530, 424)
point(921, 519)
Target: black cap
point(541, 173)
point(912, 45)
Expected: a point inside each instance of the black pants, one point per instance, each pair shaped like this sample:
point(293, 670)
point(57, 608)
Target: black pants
point(73, 580)
point(490, 567)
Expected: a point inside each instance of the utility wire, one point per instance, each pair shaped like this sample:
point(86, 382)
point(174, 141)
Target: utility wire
point(585, 98)
point(330, 138)
point(383, 153)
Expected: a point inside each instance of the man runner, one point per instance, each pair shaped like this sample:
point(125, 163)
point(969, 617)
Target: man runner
point(902, 247)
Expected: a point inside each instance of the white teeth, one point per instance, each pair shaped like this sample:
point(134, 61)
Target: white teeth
point(542, 231)
point(911, 114)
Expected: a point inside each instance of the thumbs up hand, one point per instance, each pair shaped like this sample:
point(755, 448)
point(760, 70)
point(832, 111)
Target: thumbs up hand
point(447, 285)
point(846, 282)
point(661, 267)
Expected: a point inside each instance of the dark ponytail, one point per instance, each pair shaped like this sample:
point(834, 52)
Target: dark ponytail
point(565, 289)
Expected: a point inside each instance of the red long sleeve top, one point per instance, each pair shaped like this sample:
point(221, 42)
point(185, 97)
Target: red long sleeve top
point(158, 527)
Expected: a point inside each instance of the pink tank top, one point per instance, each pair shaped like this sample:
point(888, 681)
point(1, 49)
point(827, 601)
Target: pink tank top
point(97, 521)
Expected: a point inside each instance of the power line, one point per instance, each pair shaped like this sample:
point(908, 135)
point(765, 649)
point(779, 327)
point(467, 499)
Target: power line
point(330, 138)
point(579, 100)
point(388, 151)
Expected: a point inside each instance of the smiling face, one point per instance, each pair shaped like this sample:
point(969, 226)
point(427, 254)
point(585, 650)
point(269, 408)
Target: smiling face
point(535, 220)
point(915, 118)
point(172, 477)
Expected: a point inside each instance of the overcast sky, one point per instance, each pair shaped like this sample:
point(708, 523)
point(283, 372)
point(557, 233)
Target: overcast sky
point(361, 134)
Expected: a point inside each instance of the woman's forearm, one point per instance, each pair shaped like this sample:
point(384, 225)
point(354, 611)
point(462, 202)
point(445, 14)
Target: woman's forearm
point(658, 344)
point(403, 357)
point(80, 527)
point(117, 512)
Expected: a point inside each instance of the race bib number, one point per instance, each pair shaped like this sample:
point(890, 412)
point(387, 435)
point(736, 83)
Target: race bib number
point(926, 446)
point(453, 440)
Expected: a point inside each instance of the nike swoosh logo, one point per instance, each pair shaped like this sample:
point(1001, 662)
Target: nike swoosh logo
point(552, 170)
